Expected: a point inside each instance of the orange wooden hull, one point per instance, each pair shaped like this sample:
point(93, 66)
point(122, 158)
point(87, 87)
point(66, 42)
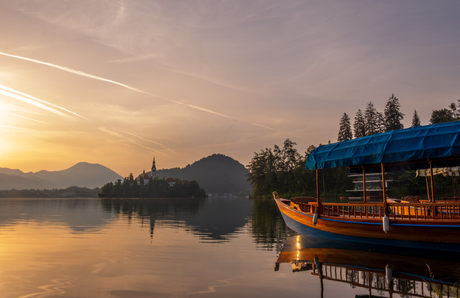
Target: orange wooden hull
point(399, 230)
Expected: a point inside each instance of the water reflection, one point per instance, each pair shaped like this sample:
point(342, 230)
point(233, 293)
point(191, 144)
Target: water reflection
point(211, 219)
point(80, 215)
point(137, 248)
point(214, 220)
point(201, 247)
point(267, 225)
point(378, 270)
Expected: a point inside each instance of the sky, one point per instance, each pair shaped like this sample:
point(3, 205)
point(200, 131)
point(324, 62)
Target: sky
point(116, 82)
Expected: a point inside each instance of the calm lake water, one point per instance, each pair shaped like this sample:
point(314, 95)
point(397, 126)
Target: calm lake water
point(195, 248)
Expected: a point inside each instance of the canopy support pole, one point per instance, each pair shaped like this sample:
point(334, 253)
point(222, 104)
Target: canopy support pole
point(317, 191)
point(433, 198)
point(427, 189)
point(384, 189)
point(317, 185)
point(364, 185)
point(455, 188)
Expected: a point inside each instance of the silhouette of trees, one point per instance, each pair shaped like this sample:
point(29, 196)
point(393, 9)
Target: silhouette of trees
point(345, 129)
point(155, 188)
point(393, 115)
point(283, 170)
point(371, 123)
point(415, 119)
point(359, 125)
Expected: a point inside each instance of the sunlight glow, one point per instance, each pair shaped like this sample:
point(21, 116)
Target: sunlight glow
point(4, 111)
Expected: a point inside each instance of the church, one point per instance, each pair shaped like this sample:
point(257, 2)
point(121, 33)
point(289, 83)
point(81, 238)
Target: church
point(145, 177)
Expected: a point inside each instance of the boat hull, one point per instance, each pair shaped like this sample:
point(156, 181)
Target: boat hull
point(441, 237)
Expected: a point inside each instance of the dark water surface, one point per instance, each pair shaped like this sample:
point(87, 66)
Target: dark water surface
point(193, 248)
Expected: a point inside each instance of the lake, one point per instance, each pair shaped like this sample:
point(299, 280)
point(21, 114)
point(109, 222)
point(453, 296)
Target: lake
point(196, 248)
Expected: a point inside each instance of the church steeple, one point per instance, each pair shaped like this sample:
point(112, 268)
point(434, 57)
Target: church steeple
point(154, 168)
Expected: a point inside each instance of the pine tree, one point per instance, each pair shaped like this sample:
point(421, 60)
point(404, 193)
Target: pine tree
point(371, 124)
point(415, 119)
point(359, 125)
point(381, 122)
point(393, 116)
point(442, 115)
point(457, 113)
point(345, 129)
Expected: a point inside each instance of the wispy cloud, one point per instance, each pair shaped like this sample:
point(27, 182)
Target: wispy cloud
point(28, 118)
point(31, 102)
point(263, 126)
point(10, 92)
point(130, 140)
point(14, 127)
point(110, 132)
point(147, 140)
point(81, 73)
point(134, 59)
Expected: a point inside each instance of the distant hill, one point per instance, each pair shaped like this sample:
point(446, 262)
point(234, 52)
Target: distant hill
point(215, 174)
point(82, 174)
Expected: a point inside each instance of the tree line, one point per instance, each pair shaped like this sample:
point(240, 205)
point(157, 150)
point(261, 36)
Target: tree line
point(372, 122)
point(282, 169)
point(73, 191)
point(155, 188)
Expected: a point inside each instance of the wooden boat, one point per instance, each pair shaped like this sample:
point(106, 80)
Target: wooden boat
point(395, 270)
point(395, 222)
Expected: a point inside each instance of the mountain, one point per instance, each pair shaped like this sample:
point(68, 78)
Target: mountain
point(82, 174)
point(8, 182)
point(215, 174)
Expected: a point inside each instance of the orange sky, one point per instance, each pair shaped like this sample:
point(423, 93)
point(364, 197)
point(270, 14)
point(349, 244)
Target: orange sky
point(116, 82)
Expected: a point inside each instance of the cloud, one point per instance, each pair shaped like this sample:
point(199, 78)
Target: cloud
point(14, 127)
point(110, 132)
point(81, 73)
point(144, 139)
point(28, 118)
point(10, 92)
point(32, 102)
point(131, 141)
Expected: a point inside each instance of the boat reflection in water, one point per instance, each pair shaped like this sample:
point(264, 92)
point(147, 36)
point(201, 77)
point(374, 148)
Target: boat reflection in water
point(377, 269)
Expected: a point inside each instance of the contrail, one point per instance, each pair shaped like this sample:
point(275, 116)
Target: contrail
point(116, 134)
point(28, 118)
point(84, 74)
point(14, 127)
point(144, 139)
point(263, 126)
point(30, 99)
point(34, 103)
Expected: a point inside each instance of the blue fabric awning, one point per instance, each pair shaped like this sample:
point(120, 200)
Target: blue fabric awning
point(397, 148)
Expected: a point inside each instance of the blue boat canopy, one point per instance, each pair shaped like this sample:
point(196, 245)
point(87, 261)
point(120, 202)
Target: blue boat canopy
point(402, 149)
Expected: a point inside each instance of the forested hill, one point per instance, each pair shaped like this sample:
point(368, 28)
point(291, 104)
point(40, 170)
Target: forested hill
point(215, 174)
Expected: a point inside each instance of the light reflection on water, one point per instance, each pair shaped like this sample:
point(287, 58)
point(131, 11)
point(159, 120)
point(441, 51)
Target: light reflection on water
point(149, 248)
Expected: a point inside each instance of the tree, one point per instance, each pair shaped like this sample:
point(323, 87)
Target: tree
point(359, 125)
point(457, 111)
point(392, 114)
point(442, 115)
point(381, 122)
point(290, 155)
point(371, 124)
point(454, 110)
point(415, 119)
point(345, 129)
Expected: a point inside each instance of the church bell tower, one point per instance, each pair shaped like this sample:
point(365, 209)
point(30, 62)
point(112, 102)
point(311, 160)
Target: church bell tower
point(154, 169)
